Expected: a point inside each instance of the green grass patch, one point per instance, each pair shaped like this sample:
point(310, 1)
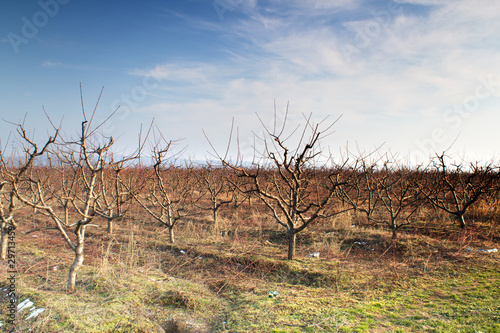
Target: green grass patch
point(229, 286)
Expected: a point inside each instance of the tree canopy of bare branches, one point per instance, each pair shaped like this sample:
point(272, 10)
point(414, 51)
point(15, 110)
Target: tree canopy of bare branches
point(288, 181)
point(456, 187)
point(78, 196)
point(386, 195)
point(169, 190)
point(14, 174)
point(215, 187)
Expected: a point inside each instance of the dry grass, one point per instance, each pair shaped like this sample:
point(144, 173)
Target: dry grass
point(134, 281)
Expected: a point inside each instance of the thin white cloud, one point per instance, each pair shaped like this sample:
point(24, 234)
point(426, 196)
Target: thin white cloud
point(55, 64)
point(396, 88)
point(180, 72)
point(61, 65)
point(315, 5)
point(423, 2)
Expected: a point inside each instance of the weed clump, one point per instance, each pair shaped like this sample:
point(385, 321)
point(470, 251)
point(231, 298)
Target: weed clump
point(178, 299)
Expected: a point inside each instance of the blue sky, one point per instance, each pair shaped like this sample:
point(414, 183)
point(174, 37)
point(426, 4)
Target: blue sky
point(413, 75)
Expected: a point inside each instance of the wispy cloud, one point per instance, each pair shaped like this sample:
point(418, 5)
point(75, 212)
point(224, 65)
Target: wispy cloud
point(57, 64)
point(413, 67)
point(61, 65)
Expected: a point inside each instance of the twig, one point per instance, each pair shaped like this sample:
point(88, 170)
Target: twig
point(38, 229)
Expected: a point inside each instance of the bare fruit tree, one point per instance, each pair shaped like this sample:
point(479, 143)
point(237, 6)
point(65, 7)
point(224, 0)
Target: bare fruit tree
point(296, 190)
point(398, 197)
point(13, 177)
point(114, 198)
point(360, 192)
point(214, 188)
point(70, 202)
point(454, 188)
point(169, 192)
point(386, 195)
point(85, 168)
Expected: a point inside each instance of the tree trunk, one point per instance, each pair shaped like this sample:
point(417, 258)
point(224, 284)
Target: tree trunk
point(394, 228)
point(291, 244)
point(77, 263)
point(79, 256)
point(110, 226)
point(214, 211)
point(171, 234)
point(461, 220)
point(170, 225)
point(4, 241)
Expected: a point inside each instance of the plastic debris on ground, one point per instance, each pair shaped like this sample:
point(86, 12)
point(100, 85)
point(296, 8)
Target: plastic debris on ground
point(273, 294)
point(483, 250)
point(365, 245)
point(24, 304)
point(35, 313)
point(313, 255)
point(27, 303)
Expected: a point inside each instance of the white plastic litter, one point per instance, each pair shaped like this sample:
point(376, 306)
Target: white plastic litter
point(24, 304)
point(35, 313)
point(365, 245)
point(183, 252)
point(481, 250)
point(313, 255)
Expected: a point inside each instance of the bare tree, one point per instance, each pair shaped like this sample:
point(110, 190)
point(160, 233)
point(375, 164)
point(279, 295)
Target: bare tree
point(296, 191)
point(397, 196)
point(114, 198)
point(386, 195)
point(13, 177)
point(8, 223)
point(89, 163)
point(82, 162)
point(216, 188)
point(454, 188)
point(169, 192)
point(360, 192)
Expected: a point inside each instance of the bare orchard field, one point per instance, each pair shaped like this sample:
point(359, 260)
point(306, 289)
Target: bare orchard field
point(94, 241)
point(432, 278)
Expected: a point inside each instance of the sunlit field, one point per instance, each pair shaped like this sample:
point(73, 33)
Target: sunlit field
point(96, 242)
